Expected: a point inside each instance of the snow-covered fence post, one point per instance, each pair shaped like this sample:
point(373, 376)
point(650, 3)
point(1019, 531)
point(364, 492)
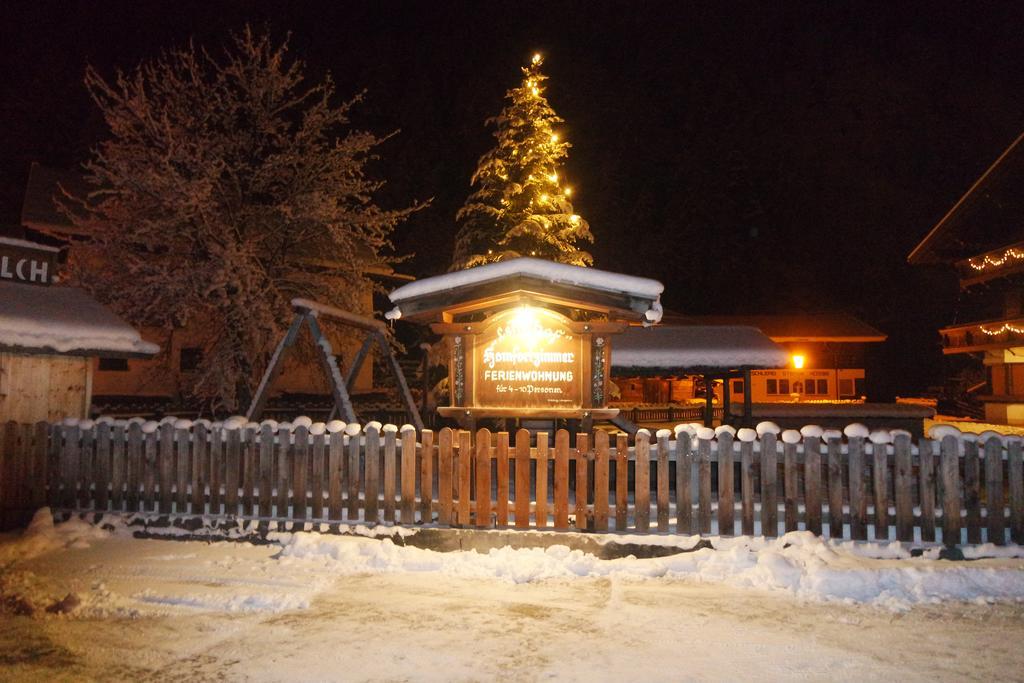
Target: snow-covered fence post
point(746, 438)
point(769, 485)
point(522, 504)
point(390, 471)
point(300, 465)
point(371, 457)
point(994, 490)
point(835, 485)
point(972, 490)
point(353, 472)
point(69, 465)
point(561, 480)
point(426, 473)
point(85, 457)
point(101, 473)
point(1015, 478)
point(790, 490)
point(950, 491)
point(903, 481)
point(465, 461)
point(54, 467)
point(705, 436)
point(642, 481)
point(726, 509)
point(501, 471)
point(684, 483)
point(182, 434)
point(445, 466)
point(335, 469)
point(408, 473)
point(926, 486)
point(621, 481)
point(880, 480)
point(482, 456)
point(583, 457)
point(134, 461)
point(662, 479)
point(601, 460)
point(858, 500)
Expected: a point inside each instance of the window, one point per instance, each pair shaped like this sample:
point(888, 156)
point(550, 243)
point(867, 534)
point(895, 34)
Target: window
point(773, 386)
point(114, 364)
point(737, 387)
point(798, 387)
point(189, 358)
point(783, 386)
point(846, 387)
point(822, 387)
point(812, 388)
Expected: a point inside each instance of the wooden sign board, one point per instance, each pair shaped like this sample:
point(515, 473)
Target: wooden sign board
point(528, 358)
point(26, 262)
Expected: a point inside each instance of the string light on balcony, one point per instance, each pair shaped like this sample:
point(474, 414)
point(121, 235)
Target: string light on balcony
point(1005, 327)
point(990, 261)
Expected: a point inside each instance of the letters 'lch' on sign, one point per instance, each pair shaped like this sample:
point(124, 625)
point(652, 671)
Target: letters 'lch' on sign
point(25, 262)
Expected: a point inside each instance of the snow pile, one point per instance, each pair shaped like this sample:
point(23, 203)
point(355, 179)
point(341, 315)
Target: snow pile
point(798, 563)
point(64, 320)
point(43, 536)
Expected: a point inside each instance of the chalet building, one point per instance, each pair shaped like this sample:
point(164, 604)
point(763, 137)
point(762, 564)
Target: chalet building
point(152, 385)
point(825, 361)
point(981, 238)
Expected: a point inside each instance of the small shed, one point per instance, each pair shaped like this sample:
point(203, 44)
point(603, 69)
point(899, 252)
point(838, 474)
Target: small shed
point(714, 351)
point(50, 336)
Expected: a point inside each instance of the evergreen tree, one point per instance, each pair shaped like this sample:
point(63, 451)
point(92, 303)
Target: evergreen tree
point(521, 206)
point(227, 186)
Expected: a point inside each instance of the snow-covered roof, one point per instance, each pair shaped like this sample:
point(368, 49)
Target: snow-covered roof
point(538, 269)
point(695, 347)
point(64, 320)
point(25, 244)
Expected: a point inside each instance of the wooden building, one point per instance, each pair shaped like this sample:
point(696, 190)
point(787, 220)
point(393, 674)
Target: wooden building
point(51, 338)
point(824, 360)
point(142, 385)
point(981, 238)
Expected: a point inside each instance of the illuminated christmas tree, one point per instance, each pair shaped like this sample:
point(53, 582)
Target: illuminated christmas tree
point(521, 205)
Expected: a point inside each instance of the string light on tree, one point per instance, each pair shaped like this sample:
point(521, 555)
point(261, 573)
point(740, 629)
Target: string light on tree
point(520, 204)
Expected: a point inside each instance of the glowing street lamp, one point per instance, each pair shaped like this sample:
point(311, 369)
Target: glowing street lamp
point(798, 361)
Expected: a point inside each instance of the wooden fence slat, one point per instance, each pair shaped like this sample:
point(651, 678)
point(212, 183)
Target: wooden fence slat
point(41, 473)
point(726, 506)
point(8, 482)
point(972, 491)
point(662, 479)
point(69, 469)
point(880, 488)
point(390, 473)
point(621, 482)
point(858, 499)
point(483, 478)
point(835, 487)
point(601, 480)
point(232, 469)
point(266, 475)
point(1015, 481)
point(903, 480)
point(166, 468)
point(353, 475)
point(134, 456)
point(642, 482)
point(249, 469)
point(465, 465)
point(747, 488)
point(426, 474)
point(583, 457)
point(812, 484)
point(300, 465)
point(318, 478)
point(926, 486)
point(335, 467)
point(215, 471)
point(541, 485)
point(371, 493)
point(445, 466)
point(790, 491)
point(102, 472)
point(522, 509)
point(181, 463)
point(769, 486)
point(55, 465)
point(994, 491)
point(950, 491)
point(561, 480)
point(408, 468)
point(684, 490)
point(86, 455)
point(501, 471)
point(199, 460)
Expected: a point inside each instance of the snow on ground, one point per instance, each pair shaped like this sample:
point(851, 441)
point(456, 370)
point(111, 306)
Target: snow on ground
point(314, 606)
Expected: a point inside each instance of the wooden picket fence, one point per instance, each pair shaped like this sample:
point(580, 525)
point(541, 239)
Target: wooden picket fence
point(954, 491)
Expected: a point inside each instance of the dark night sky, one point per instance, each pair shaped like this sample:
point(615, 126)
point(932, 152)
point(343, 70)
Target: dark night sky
point(779, 156)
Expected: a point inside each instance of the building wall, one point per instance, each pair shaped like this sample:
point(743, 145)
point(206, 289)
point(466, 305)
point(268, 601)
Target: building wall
point(44, 387)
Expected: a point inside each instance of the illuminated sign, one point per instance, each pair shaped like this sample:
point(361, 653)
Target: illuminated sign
point(25, 262)
point(528, 358)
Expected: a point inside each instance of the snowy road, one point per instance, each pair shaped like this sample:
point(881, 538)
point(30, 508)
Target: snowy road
point(163, 610)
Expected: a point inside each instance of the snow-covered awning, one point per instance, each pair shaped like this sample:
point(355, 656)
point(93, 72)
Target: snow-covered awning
point(636, 297)
point(64, 320)
point(694, 348)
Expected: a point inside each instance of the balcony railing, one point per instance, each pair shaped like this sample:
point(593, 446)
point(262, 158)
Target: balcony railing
point(996, 263)
point(979, 336)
